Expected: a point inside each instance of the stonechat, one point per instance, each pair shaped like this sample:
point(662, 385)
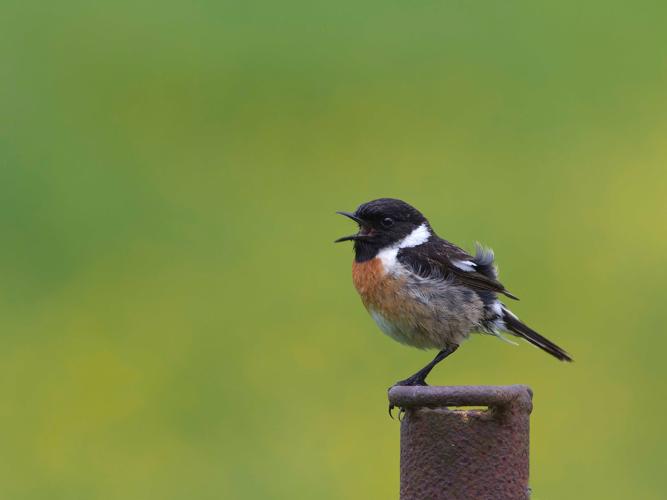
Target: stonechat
point(424, 291)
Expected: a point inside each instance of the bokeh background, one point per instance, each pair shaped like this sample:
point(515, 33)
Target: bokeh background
point(175, 321)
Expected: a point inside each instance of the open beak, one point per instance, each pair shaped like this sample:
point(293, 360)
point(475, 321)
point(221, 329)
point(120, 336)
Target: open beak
point(356, 219)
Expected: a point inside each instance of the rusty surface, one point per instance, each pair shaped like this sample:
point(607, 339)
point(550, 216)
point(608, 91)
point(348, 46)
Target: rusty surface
point(464, 453)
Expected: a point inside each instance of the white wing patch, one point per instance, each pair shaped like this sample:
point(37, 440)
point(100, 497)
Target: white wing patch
point(464, 265)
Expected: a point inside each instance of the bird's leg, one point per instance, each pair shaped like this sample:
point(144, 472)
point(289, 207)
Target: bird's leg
point(419, 378)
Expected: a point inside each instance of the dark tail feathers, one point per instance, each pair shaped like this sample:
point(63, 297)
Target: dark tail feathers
point(519, 329)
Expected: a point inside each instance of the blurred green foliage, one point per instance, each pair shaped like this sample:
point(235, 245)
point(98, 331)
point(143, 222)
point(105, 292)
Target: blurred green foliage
point(175, 320)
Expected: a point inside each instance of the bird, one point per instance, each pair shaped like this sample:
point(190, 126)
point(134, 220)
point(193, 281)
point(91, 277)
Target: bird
point(423, 291)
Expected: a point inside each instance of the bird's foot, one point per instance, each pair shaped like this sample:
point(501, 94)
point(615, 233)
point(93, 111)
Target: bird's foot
point(414, 380)
point(410, 381)
point(401, 412)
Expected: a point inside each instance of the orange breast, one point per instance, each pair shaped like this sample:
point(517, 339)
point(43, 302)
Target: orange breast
point(376, 288)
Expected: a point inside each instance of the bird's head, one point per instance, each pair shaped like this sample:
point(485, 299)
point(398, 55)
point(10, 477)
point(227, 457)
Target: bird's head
point(384, 223)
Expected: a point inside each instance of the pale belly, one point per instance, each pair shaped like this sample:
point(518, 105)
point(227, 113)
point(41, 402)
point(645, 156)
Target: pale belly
point(404, 333)
point(427, 314)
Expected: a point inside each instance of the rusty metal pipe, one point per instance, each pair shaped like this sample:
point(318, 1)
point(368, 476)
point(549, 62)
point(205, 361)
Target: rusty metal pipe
point(458, 453)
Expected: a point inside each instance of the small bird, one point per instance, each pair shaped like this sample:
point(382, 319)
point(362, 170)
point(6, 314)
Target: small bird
point(424, 291)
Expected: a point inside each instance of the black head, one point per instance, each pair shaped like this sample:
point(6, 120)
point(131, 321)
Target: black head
point(382, 223)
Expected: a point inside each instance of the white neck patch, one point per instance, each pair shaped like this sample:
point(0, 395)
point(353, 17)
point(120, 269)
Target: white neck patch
point(388, 254)
point(416, 237)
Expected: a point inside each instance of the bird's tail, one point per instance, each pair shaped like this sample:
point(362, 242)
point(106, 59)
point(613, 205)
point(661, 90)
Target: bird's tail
point(516, 327)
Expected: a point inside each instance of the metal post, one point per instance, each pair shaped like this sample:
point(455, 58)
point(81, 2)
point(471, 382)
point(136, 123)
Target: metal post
point(449, 453)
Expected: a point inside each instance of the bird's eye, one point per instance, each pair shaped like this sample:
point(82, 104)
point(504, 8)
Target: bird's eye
point(387, 222)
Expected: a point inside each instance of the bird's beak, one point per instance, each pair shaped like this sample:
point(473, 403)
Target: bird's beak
point(356, 219)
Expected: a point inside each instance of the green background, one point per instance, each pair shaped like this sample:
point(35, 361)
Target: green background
point(175, 321)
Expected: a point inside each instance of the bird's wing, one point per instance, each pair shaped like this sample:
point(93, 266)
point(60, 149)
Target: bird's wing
point(440, 258)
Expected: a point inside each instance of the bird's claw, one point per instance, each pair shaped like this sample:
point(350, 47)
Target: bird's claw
point(415, 380)
point(401, 412)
